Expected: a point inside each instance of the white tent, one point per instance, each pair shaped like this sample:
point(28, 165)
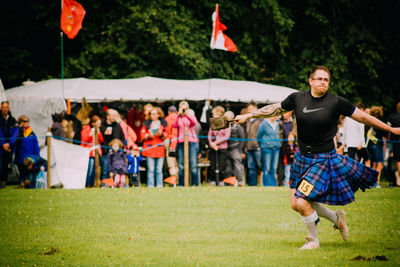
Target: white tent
point(41, 99)
point(2, 92)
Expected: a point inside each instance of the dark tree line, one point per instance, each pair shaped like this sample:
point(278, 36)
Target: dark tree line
point(278, 43)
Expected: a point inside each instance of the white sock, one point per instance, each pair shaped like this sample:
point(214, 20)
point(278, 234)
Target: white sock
point(324, 212)
point(311, 225)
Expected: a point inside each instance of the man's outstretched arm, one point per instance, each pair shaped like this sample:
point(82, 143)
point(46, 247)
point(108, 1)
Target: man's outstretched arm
point(264, 112)
point(369, 120)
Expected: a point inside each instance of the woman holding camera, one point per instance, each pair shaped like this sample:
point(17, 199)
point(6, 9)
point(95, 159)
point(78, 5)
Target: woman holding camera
point(187, 119)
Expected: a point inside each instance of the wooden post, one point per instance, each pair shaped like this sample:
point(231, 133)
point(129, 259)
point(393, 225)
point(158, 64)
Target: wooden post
point(186, 157)
point(48, 139)
point(97, 158)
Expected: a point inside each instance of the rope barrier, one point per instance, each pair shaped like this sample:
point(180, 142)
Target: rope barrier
point(178, 138)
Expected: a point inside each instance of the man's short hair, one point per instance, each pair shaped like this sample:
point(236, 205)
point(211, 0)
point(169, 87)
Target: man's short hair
point(320, 68)
point(172, 109)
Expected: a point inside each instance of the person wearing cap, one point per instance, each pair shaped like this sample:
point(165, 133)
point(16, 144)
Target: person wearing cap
point(318, 174)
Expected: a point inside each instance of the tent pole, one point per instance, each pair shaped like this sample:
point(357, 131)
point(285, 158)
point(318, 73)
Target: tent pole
point(48, 139)
point(62, 57)
point(210, 73)
point(62, 62)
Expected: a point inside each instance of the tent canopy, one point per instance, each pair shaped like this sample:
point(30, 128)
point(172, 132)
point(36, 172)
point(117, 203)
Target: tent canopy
point(39, 100)
point(151, 89)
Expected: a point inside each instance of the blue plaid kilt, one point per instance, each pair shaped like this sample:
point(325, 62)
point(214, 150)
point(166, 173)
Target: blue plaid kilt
point(330, 178)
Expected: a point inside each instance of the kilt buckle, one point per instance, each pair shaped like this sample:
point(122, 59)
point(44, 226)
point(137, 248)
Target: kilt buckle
point(308, 149)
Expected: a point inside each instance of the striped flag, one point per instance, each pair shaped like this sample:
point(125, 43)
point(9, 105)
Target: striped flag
point(218, 39)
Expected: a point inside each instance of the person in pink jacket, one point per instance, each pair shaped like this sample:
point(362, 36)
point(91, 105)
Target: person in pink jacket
point(218, 141)
point(185, 119)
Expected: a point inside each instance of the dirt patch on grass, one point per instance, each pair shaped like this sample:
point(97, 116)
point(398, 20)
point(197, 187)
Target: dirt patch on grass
point(50, 252)
point(374, 258)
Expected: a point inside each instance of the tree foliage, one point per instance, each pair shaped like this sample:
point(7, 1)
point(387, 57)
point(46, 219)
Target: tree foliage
point(278, 42)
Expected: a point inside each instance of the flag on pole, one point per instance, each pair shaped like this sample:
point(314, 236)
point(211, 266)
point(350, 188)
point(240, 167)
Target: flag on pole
point(218, 39)
point(72, 15)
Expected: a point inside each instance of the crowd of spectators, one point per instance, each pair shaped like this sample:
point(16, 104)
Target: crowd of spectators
point(143, 140)
point(20, 147)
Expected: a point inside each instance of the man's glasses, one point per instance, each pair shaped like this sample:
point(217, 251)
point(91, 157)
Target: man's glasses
point(25, 121)
point(321, 79)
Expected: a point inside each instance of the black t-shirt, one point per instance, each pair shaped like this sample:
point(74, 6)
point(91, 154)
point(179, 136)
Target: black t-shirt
point(317, 117)
point(394, 120)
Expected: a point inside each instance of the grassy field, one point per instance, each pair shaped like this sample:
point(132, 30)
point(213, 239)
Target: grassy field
point(205, 226)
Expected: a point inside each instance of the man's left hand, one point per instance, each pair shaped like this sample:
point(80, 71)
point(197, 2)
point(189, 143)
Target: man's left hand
point(396, 130)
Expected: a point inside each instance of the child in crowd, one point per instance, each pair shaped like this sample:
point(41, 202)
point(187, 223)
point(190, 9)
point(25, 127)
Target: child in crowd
point(117, 163)
point(218, 142)
point(134, 159)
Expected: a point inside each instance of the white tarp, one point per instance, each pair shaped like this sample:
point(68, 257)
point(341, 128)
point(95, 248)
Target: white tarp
point(39, 100)
point(2, 93)
point(69, 164)
point(151, 89)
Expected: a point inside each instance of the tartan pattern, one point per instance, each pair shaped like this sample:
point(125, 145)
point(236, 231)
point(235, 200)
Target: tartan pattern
point(335, 177)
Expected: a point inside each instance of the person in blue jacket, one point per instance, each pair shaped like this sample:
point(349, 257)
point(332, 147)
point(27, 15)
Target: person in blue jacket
point(270, 144)
point(134, 159)
point(26, 145)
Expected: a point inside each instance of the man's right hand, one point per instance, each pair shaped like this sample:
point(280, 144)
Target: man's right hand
point(242, 118)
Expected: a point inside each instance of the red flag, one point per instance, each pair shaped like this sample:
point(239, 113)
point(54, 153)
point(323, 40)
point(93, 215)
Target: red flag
point(72, 15)
point(218, 39)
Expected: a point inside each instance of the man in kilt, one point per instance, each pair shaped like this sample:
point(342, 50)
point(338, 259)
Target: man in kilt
point(318, 174)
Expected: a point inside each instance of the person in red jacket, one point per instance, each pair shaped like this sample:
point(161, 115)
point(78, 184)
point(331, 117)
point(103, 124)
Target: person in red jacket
point(171, 131)
point(153, 134)
point(87, 138)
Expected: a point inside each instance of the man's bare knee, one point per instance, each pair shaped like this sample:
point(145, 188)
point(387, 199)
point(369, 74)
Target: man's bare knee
point(304, 207)
point(293, 199)
point(293, 204)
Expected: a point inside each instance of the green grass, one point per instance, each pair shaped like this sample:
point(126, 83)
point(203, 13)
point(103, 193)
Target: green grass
point(187, 227)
